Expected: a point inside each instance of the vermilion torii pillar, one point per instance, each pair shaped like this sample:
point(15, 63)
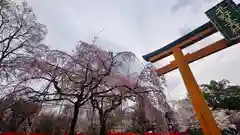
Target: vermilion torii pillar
point(225, 17)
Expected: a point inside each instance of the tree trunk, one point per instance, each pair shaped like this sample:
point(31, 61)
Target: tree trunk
point(74, 119)
point(103, 128)
point(13, 128)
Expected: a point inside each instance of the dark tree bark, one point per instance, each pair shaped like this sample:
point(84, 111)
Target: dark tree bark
point(103, 128)
point(75, 117)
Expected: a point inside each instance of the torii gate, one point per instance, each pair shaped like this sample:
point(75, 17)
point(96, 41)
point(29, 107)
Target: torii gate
point(225, 17)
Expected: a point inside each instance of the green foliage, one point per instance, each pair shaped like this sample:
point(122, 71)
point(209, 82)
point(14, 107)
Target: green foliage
point(51, 124)
point(198, 131)
point(93, 129)
point(221, 95)
point(195, 131)
point(140, 123)
point(16, 115)
point(46, 125)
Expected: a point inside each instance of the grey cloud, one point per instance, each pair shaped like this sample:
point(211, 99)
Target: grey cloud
point(140, 26)
point(175, 80)
point(183, 31)
point(182, 4)
point(109, 45)
point(195, 5)
point(222, 65)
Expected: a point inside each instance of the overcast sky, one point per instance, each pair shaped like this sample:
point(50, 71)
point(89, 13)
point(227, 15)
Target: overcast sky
point(140, 26)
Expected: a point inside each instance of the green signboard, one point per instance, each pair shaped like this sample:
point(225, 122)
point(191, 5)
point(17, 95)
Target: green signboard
point(226, 18)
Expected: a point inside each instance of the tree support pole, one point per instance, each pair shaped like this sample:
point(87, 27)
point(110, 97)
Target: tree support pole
point(204, 115)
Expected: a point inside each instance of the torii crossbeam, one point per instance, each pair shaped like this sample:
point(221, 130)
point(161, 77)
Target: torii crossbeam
point(225, 17)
